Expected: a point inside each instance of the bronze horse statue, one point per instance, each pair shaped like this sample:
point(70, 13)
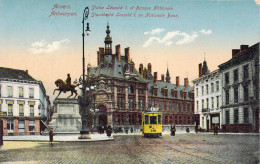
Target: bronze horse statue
point(63, 87)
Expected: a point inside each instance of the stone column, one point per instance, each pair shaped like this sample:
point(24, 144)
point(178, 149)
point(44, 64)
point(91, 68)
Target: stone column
point(145, 99)
point(136, 99)
point(114, 99)
point(240, 115)
point(126, 98)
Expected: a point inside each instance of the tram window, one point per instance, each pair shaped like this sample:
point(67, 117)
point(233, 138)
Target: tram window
point(159, 119)
point(153, 120)
point(146, 119)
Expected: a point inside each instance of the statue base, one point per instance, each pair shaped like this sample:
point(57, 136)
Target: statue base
point(84, 134)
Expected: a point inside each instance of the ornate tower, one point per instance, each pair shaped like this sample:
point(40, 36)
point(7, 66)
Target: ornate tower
point(168, 78)
point(205, 69)
point(108, 42)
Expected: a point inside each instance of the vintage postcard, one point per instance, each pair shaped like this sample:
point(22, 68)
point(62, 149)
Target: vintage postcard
point(129, 81)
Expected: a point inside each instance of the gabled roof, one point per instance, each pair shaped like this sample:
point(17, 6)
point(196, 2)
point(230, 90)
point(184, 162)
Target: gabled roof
point(9, 73)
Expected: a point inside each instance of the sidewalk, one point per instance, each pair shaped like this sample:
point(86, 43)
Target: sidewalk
point(57, 138)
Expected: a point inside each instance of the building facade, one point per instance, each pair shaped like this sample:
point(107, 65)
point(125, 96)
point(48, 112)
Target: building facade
point(208, 97)
point(23, 102)
point(240, 88)
point(123, 93)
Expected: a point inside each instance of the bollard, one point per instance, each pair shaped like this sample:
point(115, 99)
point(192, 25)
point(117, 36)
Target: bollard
point(1, 132)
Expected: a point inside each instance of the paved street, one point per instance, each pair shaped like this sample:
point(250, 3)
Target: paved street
point(183, 148)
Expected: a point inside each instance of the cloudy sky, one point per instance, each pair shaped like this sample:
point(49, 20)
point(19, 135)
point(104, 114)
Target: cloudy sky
point(50, 46)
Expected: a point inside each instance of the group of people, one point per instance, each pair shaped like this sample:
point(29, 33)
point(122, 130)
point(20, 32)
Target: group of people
point(102, 129)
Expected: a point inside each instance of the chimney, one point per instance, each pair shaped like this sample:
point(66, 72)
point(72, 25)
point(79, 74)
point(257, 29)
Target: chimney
point(162, 77)
point(200, 69)
point(127, 54)
point(177, 81)
point(149, 67)
point(235, 52)
point(118, 52)
point(98, 58)
point(186, 82)
point(145, 73)
point(155, 77)
point(141, 69)
point(243, 47)
point(26, 71)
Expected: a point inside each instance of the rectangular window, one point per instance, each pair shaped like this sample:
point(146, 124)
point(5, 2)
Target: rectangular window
point(202, 90)
point(31, 93)
point(203, 122)
point(212, 102)
point(245, 71)
point(155, 104)
point(235, 116)
point(236, 94)
point(175, 106)
point(226, 78)
point(171, 107)
point(160, 105)
point(227, 116)
point(31, 110)
point(21, 126)
point(31, 126)
point(121, 102)
point(227, 96)
point(146, 121)
point(236, 75)
point(202, 104)
point(153, 120)
point(140, 104)
point(20, 91)
point(21, 110)
point(149, 104)
point(10, 125)
point(246, 119)
point(246, 95)
point(212, 87)
point(159, 119)
point(10, 91)
point(207, 89)
point(217, 101)
point(217, 85)
point(130, 103)
point(10, 109)
point(207, 103)
point(197, 105)
point(166, 106)
point(197, 92)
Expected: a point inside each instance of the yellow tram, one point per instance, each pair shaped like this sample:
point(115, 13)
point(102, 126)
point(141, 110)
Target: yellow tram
point(152, 124)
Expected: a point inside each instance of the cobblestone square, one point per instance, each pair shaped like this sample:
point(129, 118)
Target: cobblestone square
point(182, 148)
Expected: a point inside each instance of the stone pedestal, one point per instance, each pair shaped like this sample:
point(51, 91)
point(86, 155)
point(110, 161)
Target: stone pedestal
point(66, 117)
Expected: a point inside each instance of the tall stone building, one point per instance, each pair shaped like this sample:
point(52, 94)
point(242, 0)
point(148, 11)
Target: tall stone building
point(122, 92)
point(23, 102)
point(208, 97)
point(240, 90)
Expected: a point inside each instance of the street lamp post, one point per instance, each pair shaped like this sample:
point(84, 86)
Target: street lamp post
point(84, 102)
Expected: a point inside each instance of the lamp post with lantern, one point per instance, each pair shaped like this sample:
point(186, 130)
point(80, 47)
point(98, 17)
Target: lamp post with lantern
point(84, 101)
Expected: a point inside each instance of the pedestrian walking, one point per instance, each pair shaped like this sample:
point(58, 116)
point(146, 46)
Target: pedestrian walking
point(187, 130)
point(216, 130)
point(132, 130)
point(51, 136)
point(173, 130)
point(109, 131)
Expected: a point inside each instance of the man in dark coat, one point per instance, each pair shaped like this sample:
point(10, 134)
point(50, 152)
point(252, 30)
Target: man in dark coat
point(51, 136)
point(109, 131)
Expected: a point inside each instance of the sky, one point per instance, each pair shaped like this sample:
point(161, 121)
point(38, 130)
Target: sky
point(50, 46)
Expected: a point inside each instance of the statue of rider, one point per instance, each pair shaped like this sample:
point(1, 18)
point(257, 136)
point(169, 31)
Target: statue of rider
point(68, 81)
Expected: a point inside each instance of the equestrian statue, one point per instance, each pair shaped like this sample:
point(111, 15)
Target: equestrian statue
point(65, 86)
